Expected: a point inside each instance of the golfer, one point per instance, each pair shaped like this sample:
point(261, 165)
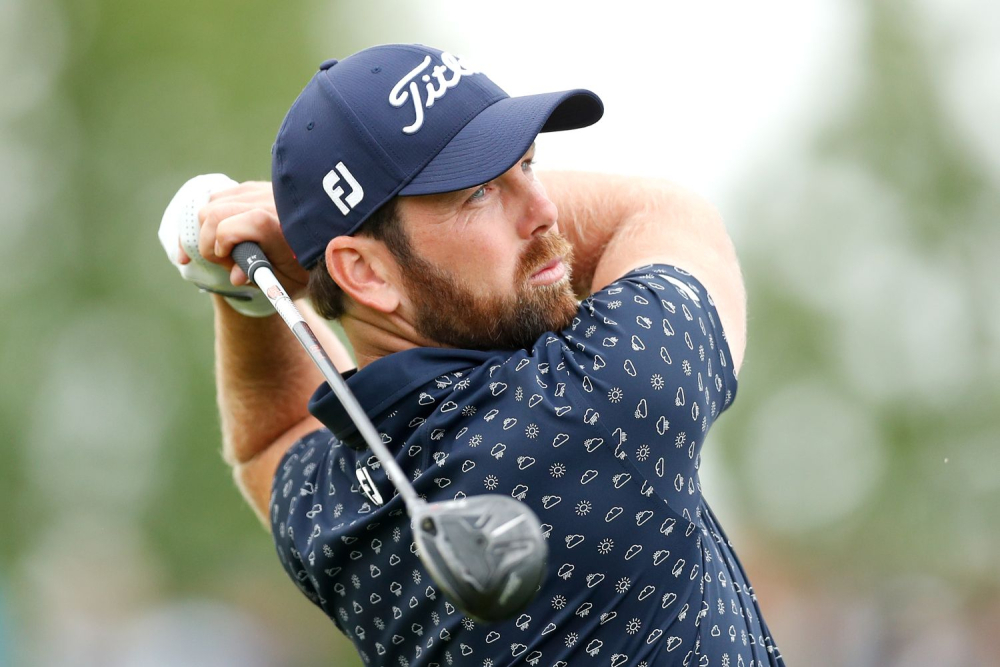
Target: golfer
point(566, 339)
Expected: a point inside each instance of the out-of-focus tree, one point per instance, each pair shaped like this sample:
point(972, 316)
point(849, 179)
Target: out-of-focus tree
point(865, 448)
point(112, 473)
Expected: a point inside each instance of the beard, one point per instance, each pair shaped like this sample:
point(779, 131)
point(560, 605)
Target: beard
point(451, 313)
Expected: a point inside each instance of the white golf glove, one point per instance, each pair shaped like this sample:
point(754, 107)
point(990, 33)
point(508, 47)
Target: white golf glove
point(180, 221)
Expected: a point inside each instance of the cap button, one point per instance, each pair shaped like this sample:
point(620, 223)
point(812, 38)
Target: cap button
point(327, 64)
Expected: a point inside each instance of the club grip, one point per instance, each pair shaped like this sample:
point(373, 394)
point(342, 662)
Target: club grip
point(250, 257)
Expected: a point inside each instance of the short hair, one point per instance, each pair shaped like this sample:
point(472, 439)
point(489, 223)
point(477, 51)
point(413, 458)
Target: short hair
point(384, 225)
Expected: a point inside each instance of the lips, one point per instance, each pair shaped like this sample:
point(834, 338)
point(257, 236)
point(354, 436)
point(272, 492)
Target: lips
point(550, 273)
point(551, 265)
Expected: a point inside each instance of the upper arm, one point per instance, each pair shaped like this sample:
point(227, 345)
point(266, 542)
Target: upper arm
point(255, 476)
point(683, 230)
point(651, 367)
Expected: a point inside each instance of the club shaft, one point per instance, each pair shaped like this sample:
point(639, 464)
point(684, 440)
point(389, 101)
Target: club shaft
point(264, 278)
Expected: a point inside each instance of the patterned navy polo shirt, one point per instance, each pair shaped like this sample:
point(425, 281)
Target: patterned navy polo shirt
point(598, 428)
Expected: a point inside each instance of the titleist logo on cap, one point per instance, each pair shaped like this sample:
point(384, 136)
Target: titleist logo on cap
point(437, 84)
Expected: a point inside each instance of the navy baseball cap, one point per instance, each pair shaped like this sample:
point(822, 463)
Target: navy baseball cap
point(400, 119)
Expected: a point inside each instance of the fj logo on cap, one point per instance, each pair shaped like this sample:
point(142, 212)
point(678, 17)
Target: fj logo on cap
point(437, 85)
point(336, 193)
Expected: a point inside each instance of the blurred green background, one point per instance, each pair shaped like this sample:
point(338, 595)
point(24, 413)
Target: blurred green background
point(852, 147)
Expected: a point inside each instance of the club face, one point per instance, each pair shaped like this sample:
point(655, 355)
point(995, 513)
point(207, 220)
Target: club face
point(487, 553)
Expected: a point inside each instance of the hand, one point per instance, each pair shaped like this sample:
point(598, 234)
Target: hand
point(179, 234)
point(207, 217)
point(246, 212)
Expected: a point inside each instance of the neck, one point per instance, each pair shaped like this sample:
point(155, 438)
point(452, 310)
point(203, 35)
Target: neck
point(375, 335)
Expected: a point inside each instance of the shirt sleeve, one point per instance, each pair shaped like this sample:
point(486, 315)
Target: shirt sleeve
point(652, 360)
point(293, 493)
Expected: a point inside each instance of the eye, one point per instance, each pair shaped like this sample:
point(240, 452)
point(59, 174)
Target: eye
point(479, 193)
point(527, 164)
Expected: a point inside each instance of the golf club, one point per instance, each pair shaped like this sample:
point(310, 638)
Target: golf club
point(487, 552)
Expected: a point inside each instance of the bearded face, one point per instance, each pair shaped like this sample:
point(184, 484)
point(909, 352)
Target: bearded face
point(454, 311)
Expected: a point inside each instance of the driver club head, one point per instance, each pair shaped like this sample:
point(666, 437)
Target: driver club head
point(487, 552)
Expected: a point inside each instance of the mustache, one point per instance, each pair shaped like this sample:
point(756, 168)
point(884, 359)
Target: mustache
point(543, 249)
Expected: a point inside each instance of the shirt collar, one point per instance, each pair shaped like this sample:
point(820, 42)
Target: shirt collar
point(385, 382)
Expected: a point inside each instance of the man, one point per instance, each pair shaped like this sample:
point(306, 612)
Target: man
point(567, 339)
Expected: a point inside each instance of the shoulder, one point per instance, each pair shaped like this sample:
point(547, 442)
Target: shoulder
point(680, 229)
point(656, 326)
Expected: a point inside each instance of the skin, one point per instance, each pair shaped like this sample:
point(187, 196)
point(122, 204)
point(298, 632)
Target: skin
point(484, 242)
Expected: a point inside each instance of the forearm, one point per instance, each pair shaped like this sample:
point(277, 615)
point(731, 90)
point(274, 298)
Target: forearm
point(263, 377)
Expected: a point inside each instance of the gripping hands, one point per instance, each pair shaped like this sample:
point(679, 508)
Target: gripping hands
point(180, 224)
point(200, 227)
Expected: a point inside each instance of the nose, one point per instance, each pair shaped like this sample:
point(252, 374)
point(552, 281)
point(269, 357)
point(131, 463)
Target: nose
point(539, 214)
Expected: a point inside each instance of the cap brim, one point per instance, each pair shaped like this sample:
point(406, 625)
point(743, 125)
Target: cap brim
point(493, 141)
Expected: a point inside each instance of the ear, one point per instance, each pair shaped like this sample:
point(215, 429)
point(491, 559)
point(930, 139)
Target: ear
point(366, 270)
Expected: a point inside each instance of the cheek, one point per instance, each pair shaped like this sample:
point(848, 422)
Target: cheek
point(497, 260)
point(490, 263)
